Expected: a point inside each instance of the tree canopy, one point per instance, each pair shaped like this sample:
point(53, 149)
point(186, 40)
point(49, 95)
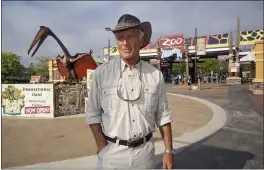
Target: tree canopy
point(11, 65)
point(210, 65)
point(40, 68)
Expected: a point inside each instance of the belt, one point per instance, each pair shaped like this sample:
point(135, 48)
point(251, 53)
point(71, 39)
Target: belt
point(130, 143)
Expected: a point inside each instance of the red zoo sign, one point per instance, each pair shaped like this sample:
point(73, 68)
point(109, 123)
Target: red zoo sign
point(172, 41)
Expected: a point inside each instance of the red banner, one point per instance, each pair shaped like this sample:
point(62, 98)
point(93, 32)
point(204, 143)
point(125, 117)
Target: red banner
point(172, 41)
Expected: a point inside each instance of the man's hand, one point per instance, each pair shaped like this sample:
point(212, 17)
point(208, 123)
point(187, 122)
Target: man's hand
point(168, 160)
point(99, 148)
point(100, 139)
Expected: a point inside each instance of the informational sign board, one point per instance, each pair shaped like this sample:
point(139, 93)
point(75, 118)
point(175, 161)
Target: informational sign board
point(28, 100)
point(234, 67)
point(89, 78)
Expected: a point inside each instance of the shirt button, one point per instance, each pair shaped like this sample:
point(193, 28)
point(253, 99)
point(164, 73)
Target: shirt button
point(132, 104)
point(129, 75)
point(133, 120)
point(132, 89)
point(135, 135)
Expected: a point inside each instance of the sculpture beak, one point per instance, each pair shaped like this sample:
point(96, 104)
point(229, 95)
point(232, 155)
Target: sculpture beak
point(40, 37)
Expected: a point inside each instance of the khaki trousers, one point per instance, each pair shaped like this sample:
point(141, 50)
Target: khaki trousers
point(114, 156)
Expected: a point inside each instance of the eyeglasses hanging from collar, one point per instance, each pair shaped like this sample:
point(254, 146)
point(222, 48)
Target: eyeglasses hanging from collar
point(119, 85)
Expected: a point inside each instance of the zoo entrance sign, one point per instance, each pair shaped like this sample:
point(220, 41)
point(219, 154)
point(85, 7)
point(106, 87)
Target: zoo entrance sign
point(28, 100)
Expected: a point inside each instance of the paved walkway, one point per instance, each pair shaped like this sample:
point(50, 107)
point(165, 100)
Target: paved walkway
point(239, 144)
point(194, 119)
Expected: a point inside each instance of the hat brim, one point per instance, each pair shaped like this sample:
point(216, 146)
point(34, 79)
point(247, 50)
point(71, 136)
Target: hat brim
point(145, 27)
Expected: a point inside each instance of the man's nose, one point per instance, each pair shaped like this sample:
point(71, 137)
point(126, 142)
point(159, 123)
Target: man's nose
point(125, 42)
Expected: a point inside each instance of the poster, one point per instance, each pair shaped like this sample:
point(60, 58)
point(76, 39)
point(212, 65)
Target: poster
point(201, 46)
point(28, 100)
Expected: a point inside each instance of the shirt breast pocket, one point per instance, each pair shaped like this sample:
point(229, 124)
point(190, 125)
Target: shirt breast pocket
point(148, 101)
point(109, 101)
point(151, 95)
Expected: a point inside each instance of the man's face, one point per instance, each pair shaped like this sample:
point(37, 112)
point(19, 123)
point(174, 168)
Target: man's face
point(128, 43)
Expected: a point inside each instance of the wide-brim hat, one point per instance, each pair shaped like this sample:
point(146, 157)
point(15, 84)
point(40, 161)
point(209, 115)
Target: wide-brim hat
point(128, 21)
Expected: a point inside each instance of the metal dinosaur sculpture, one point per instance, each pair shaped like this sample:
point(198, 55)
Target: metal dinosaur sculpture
point(70, 67)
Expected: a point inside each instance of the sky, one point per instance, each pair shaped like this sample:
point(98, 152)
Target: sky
point(80, 24)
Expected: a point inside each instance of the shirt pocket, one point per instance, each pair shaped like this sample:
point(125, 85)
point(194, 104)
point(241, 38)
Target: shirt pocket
point(148, 102)
point(109, 99)
point(151, 94)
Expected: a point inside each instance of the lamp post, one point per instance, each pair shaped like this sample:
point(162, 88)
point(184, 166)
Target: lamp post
point(159, 51)
point(108, 49)
point(108, 29)
point(186, 50)
point(195, 76)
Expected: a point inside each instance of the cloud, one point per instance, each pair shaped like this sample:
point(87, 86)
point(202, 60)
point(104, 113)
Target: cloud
point(80, 25)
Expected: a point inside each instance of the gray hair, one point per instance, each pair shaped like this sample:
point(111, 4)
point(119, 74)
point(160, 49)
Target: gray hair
point(141, 34)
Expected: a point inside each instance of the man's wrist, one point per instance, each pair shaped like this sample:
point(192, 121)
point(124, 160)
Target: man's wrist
point(170, 151)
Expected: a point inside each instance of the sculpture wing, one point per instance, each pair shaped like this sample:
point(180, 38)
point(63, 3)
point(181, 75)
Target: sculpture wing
point(62, 69)
point(84, 63)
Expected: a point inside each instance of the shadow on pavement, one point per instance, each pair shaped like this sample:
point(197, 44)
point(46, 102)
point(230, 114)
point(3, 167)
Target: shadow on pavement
point(204, 157)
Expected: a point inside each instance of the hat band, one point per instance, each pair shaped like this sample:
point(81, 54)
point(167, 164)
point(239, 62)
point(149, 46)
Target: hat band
point(122, 25)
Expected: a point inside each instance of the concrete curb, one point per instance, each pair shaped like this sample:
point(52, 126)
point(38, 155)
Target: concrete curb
point(182, 142)
point(216, 123)
point(179, 143)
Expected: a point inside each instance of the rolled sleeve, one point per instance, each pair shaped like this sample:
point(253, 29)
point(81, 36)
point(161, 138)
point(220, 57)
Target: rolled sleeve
point(94, 111)
point(163, 116)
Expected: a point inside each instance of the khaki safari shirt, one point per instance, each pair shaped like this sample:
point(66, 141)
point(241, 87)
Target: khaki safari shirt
point(122, 119)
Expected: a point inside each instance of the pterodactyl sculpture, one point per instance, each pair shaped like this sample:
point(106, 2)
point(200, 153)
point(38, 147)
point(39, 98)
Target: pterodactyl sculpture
point(70, 67)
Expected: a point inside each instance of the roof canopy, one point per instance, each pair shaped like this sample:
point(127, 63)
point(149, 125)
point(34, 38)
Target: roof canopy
point(249, 57)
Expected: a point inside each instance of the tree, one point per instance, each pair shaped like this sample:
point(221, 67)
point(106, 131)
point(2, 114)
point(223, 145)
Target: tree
point(210, 65)
point(40, 68)
point(224, 66)
point(11, 65)
point(179, 67)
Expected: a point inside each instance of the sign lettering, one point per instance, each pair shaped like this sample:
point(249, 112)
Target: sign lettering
point(172, 42)
point(37, 110)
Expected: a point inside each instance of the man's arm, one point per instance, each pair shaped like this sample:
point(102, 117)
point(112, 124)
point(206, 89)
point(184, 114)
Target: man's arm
point(166, 135)
point(163, 121)
point(163, 116)
point(99, 136)
point(94, 112)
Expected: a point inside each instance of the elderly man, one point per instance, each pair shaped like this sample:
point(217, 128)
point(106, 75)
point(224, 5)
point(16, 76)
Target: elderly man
point(126, 102)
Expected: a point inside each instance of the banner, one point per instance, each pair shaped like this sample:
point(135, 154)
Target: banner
point(29, 100)
point(201, 46)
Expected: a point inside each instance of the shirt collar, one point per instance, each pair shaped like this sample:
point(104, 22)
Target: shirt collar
point(125, 65)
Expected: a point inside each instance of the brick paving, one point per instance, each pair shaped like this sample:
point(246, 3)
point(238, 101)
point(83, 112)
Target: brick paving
point(258, 99)
point(31, 141)
point(213, 90)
